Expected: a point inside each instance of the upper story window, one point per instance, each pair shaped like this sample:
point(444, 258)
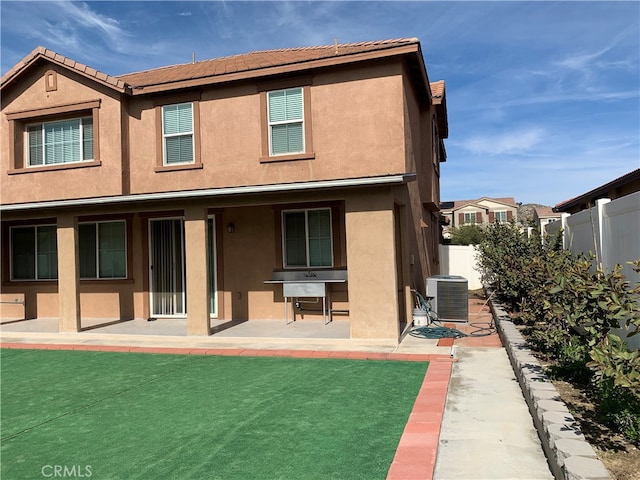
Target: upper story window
point(54, 137)
point(178, 134)
point(307, 238)
point(286, 121)
point(64, 141)
point(501, 216)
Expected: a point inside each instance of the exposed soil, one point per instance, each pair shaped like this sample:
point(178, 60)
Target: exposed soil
point(621, 457)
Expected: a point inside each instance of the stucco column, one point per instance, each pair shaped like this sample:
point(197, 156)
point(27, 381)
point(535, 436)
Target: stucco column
point(196, 253)
point(68, 274)
point(373, 297)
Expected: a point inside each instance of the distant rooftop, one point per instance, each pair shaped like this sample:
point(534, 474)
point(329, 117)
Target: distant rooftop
point(456, 204)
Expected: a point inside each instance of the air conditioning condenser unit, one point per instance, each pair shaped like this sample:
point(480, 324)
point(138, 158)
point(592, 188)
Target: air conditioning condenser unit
point(449, 297)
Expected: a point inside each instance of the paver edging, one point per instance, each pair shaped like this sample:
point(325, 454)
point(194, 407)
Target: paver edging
point(569, 455)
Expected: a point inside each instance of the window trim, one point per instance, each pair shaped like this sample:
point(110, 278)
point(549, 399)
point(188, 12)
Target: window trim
point(263, 89)
point(306, 233)
point(297, 121)
point(126, 250)
point(34, 227)
point(158, 105)
point(166, 136)
point(19, 120)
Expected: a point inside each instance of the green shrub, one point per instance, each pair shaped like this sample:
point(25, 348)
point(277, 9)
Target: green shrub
point(471, 234)
point(572, 310)
point(620, 409)
point(503, 257)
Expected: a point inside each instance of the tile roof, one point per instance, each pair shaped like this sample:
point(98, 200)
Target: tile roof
point(544, 212)
point(84, 70)
point(437, 89)
point(257, 60)
point(456, 204)
point(248, 65)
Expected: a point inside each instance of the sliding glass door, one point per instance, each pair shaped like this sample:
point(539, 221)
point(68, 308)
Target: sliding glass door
point(167, 265)
point(168, 295)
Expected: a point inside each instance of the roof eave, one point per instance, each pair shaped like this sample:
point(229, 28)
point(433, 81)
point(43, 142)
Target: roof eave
point(598, 191)
point(382, 180)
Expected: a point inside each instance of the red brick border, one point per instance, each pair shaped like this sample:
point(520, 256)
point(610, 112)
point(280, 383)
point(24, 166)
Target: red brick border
point(415, 458)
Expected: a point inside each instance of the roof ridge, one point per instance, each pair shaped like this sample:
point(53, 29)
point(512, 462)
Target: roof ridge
point(333, 45)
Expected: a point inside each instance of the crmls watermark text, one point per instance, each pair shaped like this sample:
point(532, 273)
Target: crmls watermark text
point(66, 471)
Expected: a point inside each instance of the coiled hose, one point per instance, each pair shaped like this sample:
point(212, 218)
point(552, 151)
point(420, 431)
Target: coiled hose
point(436, 330)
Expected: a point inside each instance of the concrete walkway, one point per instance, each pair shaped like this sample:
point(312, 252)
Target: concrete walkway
point(469, 421)
point(487, 431)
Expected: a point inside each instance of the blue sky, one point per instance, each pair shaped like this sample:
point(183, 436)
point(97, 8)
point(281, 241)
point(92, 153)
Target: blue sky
point(543, 97)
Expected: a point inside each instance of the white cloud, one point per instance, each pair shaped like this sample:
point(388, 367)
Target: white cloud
point(514, 141)
point(83, 16)
point(581, 61)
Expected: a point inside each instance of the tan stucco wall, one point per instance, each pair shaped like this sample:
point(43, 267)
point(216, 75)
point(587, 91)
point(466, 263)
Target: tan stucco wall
point(345, 145)
point(102, 180)
point(373, 299)
point(248, 256)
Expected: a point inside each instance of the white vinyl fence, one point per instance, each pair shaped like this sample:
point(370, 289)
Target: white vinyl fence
point(460, 260)
point(611, 230)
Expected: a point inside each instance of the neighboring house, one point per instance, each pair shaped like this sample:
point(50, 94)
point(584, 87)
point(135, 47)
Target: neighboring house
point(620, 187)
point(542, 216)
point(482, 211)
point(179, 191)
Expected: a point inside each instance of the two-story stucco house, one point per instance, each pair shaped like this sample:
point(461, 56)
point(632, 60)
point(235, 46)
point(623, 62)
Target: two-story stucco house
point(482, 211)
point(201, 190)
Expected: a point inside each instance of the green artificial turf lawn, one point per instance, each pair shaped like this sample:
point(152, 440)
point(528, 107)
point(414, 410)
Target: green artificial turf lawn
point(151, 416)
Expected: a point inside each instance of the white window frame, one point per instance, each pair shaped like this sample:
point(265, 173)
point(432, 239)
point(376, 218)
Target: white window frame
point(180, 134)
point(306, 235)
point(35, 252)
point(97, 229)
point(500, 213)
point(213, 262)
point(44, 159)
point(286, 122)
point(474, 221)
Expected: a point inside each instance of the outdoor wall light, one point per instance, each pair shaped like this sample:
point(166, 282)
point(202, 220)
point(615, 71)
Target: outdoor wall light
point(231, 228)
